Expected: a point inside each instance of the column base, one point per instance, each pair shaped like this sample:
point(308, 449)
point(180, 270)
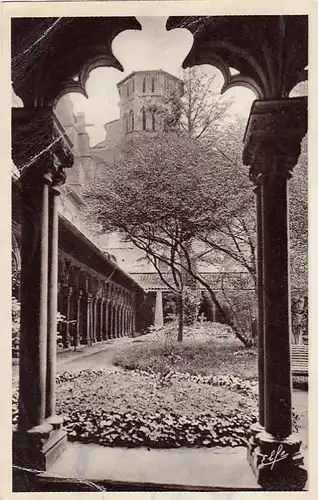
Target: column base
point(277, 464)
point(38, 448)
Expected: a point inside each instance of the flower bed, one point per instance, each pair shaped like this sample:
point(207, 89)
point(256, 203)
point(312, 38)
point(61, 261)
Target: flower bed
point(135, 408)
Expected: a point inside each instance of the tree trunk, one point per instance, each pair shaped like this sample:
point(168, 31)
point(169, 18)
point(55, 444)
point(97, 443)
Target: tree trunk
point(180, 318)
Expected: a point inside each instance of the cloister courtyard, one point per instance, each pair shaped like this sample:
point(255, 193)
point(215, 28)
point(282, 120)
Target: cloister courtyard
point(159, 256)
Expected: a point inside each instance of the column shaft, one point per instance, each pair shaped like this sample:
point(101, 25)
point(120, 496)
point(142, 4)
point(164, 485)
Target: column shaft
point(159, 309)
point(261, 304)
point(278, 409)
point(78, 320)
point(34, 301)
point(52, 302)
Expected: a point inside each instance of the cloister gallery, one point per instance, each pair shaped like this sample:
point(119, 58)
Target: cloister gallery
point(269, 54)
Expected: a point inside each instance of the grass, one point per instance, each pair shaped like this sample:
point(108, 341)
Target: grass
point(212, 350)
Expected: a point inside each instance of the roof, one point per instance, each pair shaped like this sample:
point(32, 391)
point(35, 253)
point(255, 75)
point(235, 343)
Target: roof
point(148, 71)
point(73, 242)
point(218, 280)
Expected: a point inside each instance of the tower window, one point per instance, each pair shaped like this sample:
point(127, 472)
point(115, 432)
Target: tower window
point(133, 85)
point(153, 121)
point(153, 84)
point(144, 119)
point(144, 85)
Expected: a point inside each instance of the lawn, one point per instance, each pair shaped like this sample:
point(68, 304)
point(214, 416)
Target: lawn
point(209, 350)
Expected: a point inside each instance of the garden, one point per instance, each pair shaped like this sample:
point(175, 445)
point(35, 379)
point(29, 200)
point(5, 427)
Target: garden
point(163, 393)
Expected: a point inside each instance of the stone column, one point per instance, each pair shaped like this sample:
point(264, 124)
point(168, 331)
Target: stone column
point(77, 335)
point(159, 309)
point(116, 321)
point(86, 322)
point(122, 316)
point(272, 148)
point(102, 320)
point(111, 321)
point(94, 310)
point(91, 321)
point(52, 302)
point(37, 440)
point(34, 299)
point(106, 322)
point(120, 321)
point(129, 322)
point(125, 320)
point(259, 425)
point(68, 316)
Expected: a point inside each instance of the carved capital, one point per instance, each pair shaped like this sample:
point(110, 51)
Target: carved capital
point(39, 147)
point(272, 141)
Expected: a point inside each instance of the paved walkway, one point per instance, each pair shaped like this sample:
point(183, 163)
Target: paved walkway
point(99, 355)
point(224, 468)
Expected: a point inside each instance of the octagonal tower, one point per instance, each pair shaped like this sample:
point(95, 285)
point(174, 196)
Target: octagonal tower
point(146, 97)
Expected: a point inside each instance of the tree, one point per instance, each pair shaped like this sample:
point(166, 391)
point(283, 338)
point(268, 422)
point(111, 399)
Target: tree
point(200, 111)
point(164, 194)
point(202, 107)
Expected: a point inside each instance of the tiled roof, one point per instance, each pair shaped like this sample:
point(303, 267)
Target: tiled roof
point(231, 281)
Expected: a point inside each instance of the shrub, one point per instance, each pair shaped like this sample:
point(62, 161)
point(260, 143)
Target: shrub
point(16, 311)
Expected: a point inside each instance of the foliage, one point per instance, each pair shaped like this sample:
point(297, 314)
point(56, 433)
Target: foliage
point(202, 107)
point(210, 349)
point(15, 324)
point(192, 301)
point(15, 315)
point(162, 206)
point(112, 408)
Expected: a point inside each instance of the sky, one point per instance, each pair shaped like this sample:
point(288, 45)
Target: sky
point(151, 48)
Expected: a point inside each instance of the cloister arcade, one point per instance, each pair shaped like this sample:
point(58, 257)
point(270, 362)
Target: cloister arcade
point(270, 55)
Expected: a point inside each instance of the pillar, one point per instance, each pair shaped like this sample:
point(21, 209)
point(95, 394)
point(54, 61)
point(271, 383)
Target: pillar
point(106, 322)
point(52, 301)
point(111, 320)
point(159, 309)
point(116, 321)
point(120, 321)
point(101, 320)
point(34, 300)
point(272, 147)
point(125, 320)
point(259, 425)
point(77, 335)
point(39, 438)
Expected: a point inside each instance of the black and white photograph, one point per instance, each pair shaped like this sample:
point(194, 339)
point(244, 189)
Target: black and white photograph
point(159, 250)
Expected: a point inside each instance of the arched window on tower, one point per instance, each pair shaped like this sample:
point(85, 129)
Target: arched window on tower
point(133, 85)
point(153, 121)
point(144, 119)
point(144, 85)
point(131, 120)
point(153, 84)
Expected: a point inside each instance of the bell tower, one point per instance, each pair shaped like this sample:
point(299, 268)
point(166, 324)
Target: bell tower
point(145, 96)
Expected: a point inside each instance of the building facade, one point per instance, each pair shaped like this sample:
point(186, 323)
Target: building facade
point(96, 297)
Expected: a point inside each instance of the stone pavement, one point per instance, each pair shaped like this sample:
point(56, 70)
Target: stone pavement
point(225, 468)
point(84, 356)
